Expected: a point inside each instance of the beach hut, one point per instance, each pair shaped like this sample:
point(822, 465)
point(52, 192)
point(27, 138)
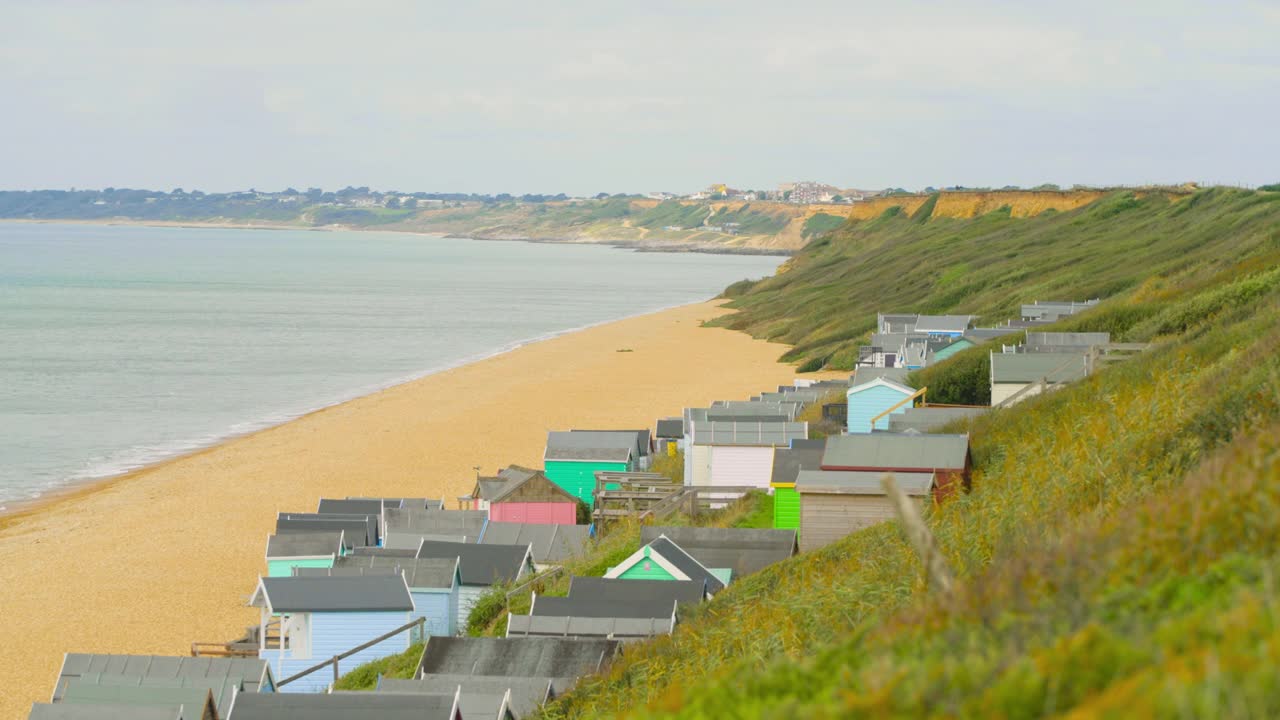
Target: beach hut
point(525, 695)
point(945, 457)
point(550, 544)
point(743, 550)
point(359, 530)
point(836, 503)
point(1012, 373)
point(351, 706)
point(115, 711)
point(480, 567)
point(787, 463)
point(114, 697)
point(405, 527)
point(561, 660)
point(525, 496)
point(613, 628)
point(302, 549)
point(669, 436)
point(572, 459)
point(224, 678)
point(321, 617)
point(434, 583)
point(662, 559)
point(738, 453)
point(872, 399)
point(942, 325)
point(612, 597)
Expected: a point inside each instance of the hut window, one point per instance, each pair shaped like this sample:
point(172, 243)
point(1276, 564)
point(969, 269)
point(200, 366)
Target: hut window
point(647, 565)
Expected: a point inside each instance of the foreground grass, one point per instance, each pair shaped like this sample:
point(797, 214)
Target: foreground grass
point(1116, 557)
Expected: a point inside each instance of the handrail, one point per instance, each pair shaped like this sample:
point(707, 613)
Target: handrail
point(334, 660)
point(899, 404)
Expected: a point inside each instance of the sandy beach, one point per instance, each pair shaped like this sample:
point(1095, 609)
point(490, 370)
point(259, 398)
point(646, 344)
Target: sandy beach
point(158, 558)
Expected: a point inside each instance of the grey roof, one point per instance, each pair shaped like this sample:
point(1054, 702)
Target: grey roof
point(346, 706)
point(929, 418)
point(589, 454)
point(743, 409)
point(392, 552)
point(787, 462)
point(489, 487)
point(305, 544)
point(686, 563)
point(670, 428)
point(860, 482)
point(745, 550)
point(345, 571)
point(1053, 309)
point(893, 342)
point(481, 564)
point(333, 594)
point(399, 541)
point(580, 627)
point(597, 445)
point(562, 660)
point(942, 323)
point(251, 673)
point(436, 522)
point(896, 450)
point(602, 597)
point(527, 694)
point(640, 437)
point(1073, 339)
point(807, 444)
point(410, 503)
point(360, 529)
point(418, 572)
point(985, 334)
point(777, 434)
point(1030, 367)
point(195, 701)
point(113, 711)
point(864, 375)
point(552, 544)
point(331, 506)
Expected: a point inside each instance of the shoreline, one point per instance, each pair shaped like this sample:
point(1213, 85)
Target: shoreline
point(71, 487)
point(155, 559)
point(621, 244)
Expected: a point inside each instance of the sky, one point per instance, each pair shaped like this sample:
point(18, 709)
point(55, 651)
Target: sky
point(603, 96)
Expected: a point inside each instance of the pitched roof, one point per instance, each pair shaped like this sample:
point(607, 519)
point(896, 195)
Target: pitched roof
point(359, 529)
point(347, 706)
point(382, 593)
point(589, 454)
point(580, 627)
point(787, 462)
point(680, 561)
point(641, 437)
point(776, 434)
point(561, 659)
point(252, 673)
point(595, 439)
point(881, 382)
point(113, 711)
point(409, 503)
point(436, 522)
point(670, 428)
point(1030, 367)
point(925, 419)
point(900, 451)
point(196, 702)
point(331, 506)
point(1075, 339)
point(745, 550)
point(943, 323)
point(527, 694)
point(481, 564)
point(860, 482)
point(604, 597)
point(551, 544)
point(487, 487)
point(398, 542)
point(533, 486)
point(985, 334)
point(418, 572)
point(305, 544)
point(864, 375)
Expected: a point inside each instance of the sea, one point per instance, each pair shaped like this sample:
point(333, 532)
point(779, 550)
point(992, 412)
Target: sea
point(121, 346)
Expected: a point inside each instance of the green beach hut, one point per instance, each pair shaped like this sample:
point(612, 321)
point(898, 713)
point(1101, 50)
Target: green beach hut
point(662, 559)
point(286, 551)
point(572, 459)
point(787, 464)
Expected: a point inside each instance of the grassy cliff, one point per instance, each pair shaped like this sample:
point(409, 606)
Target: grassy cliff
point(1116, 557)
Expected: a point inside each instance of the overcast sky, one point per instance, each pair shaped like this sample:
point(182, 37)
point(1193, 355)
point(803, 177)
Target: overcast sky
point(582, 97)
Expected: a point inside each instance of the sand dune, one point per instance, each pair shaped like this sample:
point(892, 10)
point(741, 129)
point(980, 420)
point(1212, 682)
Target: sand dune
point(165, 556)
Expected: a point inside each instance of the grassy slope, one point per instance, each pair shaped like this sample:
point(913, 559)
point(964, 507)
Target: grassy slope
point(1117, 556)
point(824, 303)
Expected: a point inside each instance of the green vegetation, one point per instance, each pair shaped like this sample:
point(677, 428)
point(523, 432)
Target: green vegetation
point(670, 465)
point(825, 304)
point(365, 677)
point(820, 224)
point(1116, 557)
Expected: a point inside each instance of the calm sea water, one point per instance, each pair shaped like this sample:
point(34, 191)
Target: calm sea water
point(120, 346)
